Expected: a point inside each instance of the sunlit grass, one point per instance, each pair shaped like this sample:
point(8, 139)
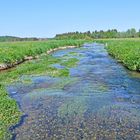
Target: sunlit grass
point(11, 52)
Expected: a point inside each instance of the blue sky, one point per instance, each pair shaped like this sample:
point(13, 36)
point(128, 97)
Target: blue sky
point(45, 18)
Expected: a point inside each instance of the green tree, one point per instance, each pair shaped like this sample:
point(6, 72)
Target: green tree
point(139, 33)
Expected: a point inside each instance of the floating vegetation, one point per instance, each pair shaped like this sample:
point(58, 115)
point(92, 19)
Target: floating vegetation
point(72, 62)
point(73, 54)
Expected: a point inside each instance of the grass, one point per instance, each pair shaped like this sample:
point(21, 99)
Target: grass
point(16, 51)
point(9, 113)
point(126, 51)
point(12, 52)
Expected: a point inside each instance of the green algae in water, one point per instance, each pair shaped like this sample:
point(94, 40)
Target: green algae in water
point(41, 93)
point(72, 62)
point(26, 79)
point(64, 82)
point(75, 54)
point(75, 107)
point(96, 88)
point(103, 88)
point(55, 88)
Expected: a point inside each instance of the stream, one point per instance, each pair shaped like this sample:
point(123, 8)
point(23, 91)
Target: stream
point(99, 101)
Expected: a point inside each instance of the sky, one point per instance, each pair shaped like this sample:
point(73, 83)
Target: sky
point(46, 18)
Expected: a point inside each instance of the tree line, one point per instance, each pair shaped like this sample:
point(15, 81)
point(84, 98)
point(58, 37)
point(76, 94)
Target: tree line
point(12, 39)
point(114, 33)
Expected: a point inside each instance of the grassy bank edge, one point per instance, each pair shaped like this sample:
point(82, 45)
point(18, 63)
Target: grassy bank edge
point(125, 51)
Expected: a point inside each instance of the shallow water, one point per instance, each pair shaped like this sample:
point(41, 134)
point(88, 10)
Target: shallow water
point(99, 101)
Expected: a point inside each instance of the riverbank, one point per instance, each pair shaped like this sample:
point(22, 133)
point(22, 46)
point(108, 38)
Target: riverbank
point(5, 66)
point(14, 53)
point(125, 51)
